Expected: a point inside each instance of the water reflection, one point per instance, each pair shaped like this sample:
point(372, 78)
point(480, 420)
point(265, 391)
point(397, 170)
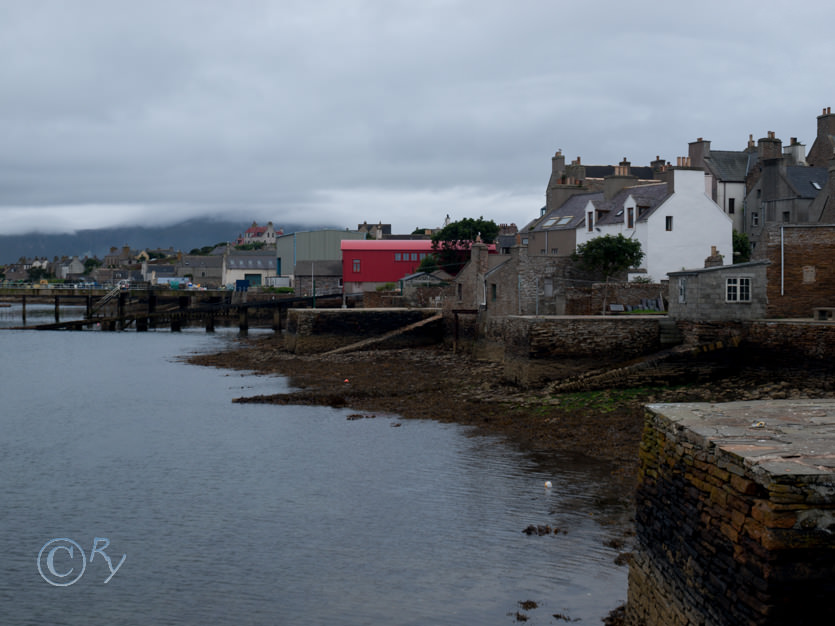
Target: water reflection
point(260, 514)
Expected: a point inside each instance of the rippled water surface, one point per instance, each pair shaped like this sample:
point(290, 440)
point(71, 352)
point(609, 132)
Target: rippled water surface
point(253, 514)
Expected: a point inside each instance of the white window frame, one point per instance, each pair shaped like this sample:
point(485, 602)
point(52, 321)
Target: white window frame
point(738, 289)
point(682, 290)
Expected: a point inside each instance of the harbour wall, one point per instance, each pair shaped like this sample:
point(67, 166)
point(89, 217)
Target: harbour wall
point(735, 516)
point(310, 331)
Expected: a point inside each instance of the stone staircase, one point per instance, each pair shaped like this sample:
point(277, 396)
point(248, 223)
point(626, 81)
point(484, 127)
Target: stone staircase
point(670, 335)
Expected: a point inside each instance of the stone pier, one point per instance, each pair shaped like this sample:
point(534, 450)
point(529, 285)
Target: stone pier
point(735, 515)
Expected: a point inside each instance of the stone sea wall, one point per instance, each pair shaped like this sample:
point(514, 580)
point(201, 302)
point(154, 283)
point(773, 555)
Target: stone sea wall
point(735, 516)
point(534, 349)
point(312, 331)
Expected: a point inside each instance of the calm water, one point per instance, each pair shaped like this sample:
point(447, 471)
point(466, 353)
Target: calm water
point(247, 514)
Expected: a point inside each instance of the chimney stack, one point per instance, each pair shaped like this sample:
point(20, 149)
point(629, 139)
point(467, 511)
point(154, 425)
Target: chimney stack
point(822, 148)
point(770, 147)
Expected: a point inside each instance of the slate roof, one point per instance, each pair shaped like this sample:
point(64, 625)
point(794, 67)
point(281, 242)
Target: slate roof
point(806, 181)
point(728, 165)
point(643, 172)
point(505, 241)
point(319, 268)
point(650, 196)
point(568, 216)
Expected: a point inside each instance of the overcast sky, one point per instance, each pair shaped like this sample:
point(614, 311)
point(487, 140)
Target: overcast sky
point(337, 112)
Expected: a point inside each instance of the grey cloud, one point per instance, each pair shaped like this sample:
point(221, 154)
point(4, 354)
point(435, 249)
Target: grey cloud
point(295, 108)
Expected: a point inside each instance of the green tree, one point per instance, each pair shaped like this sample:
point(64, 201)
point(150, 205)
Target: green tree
point(429, 264)
point(609, 255)
point(452, 243)
point(38, 273)
point(742, 247)
point(90, 265)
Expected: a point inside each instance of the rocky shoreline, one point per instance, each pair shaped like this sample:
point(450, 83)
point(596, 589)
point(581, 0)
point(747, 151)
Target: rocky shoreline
point(431, 383)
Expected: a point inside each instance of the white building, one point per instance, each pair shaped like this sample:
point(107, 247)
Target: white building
point(676, 222)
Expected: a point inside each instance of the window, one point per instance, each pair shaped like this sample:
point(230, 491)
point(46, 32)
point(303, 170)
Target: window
point(668, 221)
point(356, 266)
point(460, 292)
point(787, 216)
point(731, 202)
point(590, 221)
point(493, 291)
point(398, 256)
point(414, 256)
point(738, 290)
point(554, 251)
point(755, 219)
point(564, 220)
point(630, 217)
point(682, 290)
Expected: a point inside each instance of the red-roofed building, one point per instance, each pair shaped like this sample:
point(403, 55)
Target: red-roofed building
point(255, 234)
point(367, 263)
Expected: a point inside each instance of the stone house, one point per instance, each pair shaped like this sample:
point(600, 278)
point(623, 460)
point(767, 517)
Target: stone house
point(782, 189)
point(722, 293)
point(568, 180)
point(326, 276)
point(516, 284)
point(69, 269)
point(203, 270)
point(119, 257)
point(426, 289)
point(801, 275)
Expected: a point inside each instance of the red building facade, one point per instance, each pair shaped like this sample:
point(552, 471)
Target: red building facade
point(367, 263)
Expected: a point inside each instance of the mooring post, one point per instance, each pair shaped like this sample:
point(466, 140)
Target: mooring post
point(121, 309)
point(277, 318)
point(57, 309)
point(23, 309)
point(243, 319)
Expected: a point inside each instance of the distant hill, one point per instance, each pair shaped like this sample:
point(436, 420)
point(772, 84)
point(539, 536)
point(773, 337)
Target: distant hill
point(184, 236)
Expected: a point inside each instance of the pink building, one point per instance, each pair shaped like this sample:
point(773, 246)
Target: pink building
point(367, 263)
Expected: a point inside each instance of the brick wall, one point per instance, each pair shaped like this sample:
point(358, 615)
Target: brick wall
point(802, 273)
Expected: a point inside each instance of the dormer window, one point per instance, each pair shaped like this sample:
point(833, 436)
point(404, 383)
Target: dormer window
point(590, 221)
